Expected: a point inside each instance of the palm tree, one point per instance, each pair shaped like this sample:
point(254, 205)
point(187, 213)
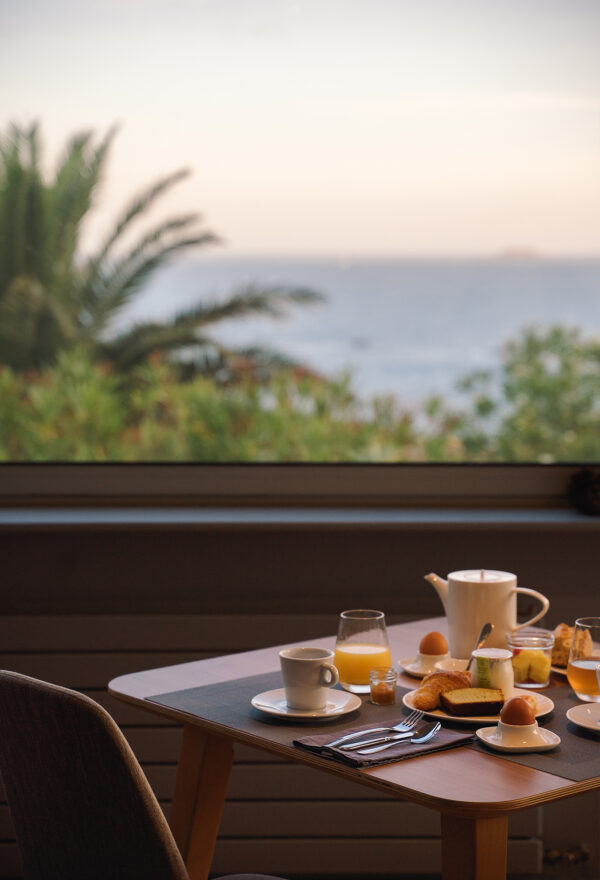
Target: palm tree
point(52, 298)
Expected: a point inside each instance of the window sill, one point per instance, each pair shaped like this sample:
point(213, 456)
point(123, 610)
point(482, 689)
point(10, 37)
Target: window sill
point(247, 518)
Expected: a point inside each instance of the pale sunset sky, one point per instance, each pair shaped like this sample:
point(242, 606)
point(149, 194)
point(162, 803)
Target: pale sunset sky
point(333, 127)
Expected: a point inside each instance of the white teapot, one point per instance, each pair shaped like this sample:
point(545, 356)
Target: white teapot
point(473, 597)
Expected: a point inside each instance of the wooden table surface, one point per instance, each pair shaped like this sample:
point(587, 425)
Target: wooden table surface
point(473, 791)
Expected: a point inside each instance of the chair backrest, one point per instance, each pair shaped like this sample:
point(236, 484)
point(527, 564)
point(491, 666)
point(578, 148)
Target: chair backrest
point(81, 805)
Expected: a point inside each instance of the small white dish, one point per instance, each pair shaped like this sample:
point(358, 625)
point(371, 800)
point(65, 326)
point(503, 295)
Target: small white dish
point(586, 715)
point(540, 740)
point(559, 670)
point(544, 706)
point(420, 665)
point(338, 703)
point(451, 664)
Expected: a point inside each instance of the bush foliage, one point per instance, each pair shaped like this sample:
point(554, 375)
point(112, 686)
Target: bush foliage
point(542, 405)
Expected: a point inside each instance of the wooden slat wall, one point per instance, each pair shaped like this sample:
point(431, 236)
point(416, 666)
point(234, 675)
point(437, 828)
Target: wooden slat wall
point(279, 818)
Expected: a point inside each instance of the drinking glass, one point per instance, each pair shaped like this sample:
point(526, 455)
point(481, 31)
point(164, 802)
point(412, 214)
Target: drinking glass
point(362, 644)
point(584, 659)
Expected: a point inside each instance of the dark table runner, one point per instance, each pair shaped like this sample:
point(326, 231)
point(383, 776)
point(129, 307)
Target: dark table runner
point(578, 755)
point(228, 703)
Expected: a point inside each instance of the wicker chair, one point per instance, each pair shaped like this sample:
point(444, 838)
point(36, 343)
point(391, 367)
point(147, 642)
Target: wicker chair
point(80, 803)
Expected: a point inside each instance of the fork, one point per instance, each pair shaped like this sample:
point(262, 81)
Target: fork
point(425, 735)
point(406, 724)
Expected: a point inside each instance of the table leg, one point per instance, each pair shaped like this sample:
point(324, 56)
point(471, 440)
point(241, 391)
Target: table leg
point(474, 849)
point(202, 775)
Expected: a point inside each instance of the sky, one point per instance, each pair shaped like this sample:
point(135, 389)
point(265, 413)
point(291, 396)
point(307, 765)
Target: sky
point(351, 128)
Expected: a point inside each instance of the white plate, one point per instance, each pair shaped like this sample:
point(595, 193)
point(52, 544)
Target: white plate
point(586, 715)
point(560, 670)
point(488, 735)
point(544, 705)
point(408, 665)
point(338, 703)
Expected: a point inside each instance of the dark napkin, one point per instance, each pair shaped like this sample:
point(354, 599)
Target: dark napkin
point(444, 739)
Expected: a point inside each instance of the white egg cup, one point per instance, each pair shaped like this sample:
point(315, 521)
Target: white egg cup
point(426, 663)
point(516, 736)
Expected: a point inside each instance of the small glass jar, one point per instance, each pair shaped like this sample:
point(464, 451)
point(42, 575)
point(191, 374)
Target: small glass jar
point(531, 656)
point(382, 681)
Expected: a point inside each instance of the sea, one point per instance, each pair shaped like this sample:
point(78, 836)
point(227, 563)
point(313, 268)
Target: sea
point(407, 327)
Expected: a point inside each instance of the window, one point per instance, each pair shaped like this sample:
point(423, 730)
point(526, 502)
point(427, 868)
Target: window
point(415, 190)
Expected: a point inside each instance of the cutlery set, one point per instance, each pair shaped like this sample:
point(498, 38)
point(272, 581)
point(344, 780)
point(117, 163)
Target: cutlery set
point(427, 732)
point(409, 730)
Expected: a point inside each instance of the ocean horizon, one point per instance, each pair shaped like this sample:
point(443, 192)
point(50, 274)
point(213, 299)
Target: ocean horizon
point(407, 326)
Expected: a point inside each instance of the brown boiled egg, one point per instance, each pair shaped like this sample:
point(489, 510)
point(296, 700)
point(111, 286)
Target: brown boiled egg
point(433, 643)
point(517, 711)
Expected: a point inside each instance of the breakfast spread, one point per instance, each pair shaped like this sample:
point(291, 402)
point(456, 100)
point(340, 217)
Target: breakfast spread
point(473, 701)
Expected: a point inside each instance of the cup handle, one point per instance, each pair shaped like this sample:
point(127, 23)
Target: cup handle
point(545, 605)
point(328, 675)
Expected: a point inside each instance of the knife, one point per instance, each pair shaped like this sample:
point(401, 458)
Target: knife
point(423, 736)
point(388, 738)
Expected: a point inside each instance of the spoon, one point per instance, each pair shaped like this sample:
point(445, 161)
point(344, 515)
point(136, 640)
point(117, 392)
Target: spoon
point(485, 631)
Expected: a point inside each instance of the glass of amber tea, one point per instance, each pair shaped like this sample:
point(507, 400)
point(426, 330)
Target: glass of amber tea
point(584, 659)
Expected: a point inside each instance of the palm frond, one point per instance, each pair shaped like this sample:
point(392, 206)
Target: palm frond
point(119, 283)
point(138, 205)
point(253, 299)
point(22, 213)
point(77, 178)
point(132, 347)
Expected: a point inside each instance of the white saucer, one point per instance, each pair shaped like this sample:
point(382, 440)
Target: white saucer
point(451, 664)
point(586, 715)
point(408, 665)
point(489, 736)
point(560, 670)
point(338, 703)
point(544, 706)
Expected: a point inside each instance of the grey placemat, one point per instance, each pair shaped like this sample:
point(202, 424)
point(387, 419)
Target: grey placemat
point(578, 755)
point(229, 704)
point(577, 758)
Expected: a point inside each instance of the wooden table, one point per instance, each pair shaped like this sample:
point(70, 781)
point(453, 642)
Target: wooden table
point(473, 791)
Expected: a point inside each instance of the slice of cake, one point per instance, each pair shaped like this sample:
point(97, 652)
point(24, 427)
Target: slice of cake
point(473, 701)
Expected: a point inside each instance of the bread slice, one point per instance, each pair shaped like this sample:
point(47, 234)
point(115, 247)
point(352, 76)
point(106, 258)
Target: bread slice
point(427, 696)
point(473, 701)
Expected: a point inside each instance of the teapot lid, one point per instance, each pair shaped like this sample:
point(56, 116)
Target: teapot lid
point(482, 575)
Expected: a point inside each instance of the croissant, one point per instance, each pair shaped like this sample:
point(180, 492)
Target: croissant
point(427, 696)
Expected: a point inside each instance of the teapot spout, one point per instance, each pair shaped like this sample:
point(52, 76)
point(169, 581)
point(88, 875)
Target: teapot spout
point(440, 585)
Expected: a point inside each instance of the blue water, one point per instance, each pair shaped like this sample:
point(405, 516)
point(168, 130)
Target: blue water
point(409, 327)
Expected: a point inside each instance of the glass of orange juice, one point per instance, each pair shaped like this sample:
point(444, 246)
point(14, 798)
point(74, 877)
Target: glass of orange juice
point(362, 644)
point(584, 659)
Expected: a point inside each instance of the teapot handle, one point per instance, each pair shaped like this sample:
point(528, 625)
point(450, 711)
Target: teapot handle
point(545, 605)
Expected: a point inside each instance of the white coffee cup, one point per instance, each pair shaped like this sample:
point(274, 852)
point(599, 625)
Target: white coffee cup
point(308, 673)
